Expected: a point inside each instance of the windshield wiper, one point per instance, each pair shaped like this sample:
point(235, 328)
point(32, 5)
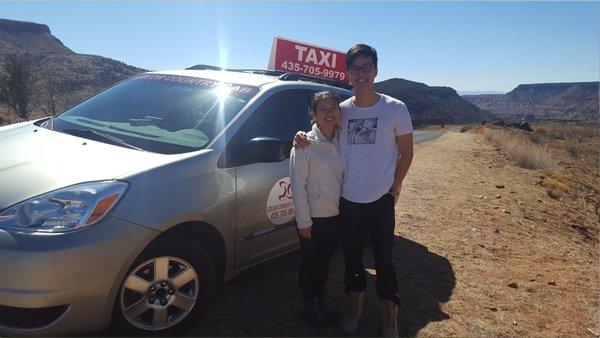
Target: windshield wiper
point(98, 136)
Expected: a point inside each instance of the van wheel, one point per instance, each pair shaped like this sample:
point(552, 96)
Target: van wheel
point(167, 290)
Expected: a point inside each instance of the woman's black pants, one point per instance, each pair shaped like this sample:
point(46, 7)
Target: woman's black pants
point(316, 254)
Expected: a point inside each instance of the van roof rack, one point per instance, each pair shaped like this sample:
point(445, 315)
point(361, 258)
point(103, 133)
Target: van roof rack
point(283, 76)
point(303, 77)
point(259, 71)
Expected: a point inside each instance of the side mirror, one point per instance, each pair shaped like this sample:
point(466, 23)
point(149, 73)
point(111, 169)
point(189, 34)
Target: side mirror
point(265, 149)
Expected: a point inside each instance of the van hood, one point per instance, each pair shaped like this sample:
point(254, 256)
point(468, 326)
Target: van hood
point(35, 160)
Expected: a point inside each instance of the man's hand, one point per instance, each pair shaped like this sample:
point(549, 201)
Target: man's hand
point(300, 140)
point(395, 191)
point(305, 233)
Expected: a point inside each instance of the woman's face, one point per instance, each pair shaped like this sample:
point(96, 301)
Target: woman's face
point(328, 112)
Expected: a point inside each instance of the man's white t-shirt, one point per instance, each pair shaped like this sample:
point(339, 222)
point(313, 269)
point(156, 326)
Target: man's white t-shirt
point(368, 147)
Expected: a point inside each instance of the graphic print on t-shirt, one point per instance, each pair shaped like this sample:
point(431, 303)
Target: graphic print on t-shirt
point(362, 131)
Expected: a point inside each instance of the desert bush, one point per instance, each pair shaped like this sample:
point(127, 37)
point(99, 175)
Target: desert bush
point(568, 132)
point(554, 183)
point(557, 132)
point(534, 137)
point(520, 150)
point(15, 85)
point(466, 128)
point(557, 184)
point(554, 195)
point(574, 148)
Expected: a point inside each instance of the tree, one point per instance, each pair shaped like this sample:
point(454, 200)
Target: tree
point(15, 85)
point(47, 98)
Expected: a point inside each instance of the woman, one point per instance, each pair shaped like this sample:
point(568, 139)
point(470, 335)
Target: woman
point(316, 175)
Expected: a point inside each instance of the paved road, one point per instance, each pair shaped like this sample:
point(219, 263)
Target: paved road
point(426, 135)
point(420, 136)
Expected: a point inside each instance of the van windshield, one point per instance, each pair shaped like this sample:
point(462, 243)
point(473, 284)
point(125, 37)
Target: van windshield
point(166, 114)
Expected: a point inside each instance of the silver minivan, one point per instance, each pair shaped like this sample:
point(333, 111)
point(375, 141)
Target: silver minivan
point(131, 207)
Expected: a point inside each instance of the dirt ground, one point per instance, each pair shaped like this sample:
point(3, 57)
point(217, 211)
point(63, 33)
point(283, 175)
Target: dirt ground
point(472, 259)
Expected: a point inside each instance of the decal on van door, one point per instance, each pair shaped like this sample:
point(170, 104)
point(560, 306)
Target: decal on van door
point(280, 208)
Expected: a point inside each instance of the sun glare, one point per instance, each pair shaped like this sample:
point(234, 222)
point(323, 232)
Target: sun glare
point(221, 91)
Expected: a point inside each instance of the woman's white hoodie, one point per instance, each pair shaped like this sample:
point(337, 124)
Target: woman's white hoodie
point(316, 175)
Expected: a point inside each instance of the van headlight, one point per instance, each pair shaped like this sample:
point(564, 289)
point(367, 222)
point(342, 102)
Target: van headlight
point(66, 209)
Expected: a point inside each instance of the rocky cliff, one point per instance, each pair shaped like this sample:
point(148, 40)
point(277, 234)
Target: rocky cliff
point(433, 105)
point(570, 101)
point(71, 76)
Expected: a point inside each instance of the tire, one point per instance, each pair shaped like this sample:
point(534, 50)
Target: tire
point(167, 290)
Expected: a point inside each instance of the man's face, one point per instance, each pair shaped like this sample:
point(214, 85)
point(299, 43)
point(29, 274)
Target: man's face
point(362, 72)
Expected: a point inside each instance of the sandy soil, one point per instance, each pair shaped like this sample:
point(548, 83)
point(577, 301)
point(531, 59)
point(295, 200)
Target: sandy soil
point(472, 259)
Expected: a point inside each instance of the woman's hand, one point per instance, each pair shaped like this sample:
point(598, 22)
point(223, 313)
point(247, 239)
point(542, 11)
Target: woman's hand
point(305, 233)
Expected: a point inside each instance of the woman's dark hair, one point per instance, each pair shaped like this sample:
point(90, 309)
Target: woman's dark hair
point(360, 50)
point(315, 100)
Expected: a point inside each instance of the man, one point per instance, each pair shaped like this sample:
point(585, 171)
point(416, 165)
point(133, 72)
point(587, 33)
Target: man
point(377, 150)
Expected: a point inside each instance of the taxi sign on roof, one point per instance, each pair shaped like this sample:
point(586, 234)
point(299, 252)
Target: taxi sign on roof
point(300, 57)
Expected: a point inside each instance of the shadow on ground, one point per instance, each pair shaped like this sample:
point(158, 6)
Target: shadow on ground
point(426, 280)
point(265, 301)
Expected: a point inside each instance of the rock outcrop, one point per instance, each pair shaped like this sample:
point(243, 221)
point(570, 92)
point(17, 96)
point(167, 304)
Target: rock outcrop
point(71, 77)
point(433, 105)
point(567, 101)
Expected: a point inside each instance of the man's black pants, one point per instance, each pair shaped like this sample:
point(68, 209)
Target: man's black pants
point(378, 218)
point(316, 254)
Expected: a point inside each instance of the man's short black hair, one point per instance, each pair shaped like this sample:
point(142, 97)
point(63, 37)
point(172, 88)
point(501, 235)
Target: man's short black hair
point(360, 50)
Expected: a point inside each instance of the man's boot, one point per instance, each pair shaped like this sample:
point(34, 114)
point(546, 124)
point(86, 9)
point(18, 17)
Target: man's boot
point(389, 321)
point(349, 323)
point(312, 314)
point(326, 310)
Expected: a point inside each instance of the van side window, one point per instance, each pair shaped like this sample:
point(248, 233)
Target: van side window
point(341, 95)
point(280, 117)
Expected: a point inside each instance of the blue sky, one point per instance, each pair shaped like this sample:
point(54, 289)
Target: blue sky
point(464, 45)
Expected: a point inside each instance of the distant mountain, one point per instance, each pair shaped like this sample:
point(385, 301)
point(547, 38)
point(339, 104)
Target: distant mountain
point(432, 105)
point(478, 92)
point(71, 75)
point(571, 101)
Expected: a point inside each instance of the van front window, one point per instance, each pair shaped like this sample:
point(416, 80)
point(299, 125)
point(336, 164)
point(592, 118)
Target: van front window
point(159, 113)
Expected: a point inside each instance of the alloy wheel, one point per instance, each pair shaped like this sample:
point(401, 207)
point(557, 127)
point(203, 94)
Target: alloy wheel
point(159, 293)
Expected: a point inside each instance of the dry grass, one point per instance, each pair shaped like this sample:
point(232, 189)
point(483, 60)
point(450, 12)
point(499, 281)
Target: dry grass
point(520, 149)
point(575, 137)
point(567, 132)
point(556, 184)
point(577, 146)
point(466, 128)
